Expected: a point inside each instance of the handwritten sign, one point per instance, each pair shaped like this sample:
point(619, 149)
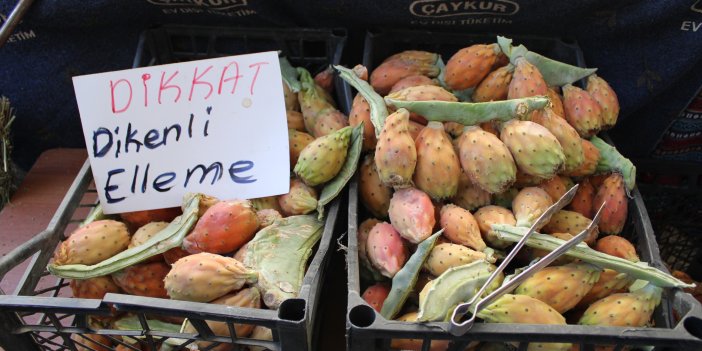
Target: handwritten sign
point(215, 126)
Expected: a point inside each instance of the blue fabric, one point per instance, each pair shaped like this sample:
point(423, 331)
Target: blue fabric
point(649, 51)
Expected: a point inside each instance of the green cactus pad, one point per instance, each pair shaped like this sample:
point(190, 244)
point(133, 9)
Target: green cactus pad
point(289, 74)
point(555, 73)
point(472, 113)
point(455, 286)
point(403, 282)
point(612, 161)
point(378, 110)
point(279, 253)
point(333, 187)
point(168, 238)
point(639, 270)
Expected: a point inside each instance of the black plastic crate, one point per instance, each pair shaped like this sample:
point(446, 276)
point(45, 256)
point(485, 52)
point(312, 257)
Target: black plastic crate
point(677, 319)
point(39, 315)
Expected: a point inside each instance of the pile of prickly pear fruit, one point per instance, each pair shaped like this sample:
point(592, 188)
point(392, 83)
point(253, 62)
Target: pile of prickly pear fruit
point(242, 253)
point(460, 159)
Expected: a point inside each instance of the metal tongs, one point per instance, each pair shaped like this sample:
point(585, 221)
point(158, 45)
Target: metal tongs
point(458, 327)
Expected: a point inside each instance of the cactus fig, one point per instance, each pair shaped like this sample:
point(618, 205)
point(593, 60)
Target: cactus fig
point(295, 120)
point(468, 66)
point(267, 217)
point(412, 214)
point(570, 222)
point(145, 233)
point(138, 219)
point(386, 249)
point(526, 81)
point(470, 196)
point(486, 160)
point(223, 228)
point(445, 256)
point(93, 243)
point(321, 160)
point(583, 199)
point(489, 215)
point(360, 113)
point(591, 158)
point(561, 287)
point(395, 152)
point(204, 277)
point(613, 195)
point(374, 194)
point(535, 149)
point(297, 141)
point(363, 230)
point(610, 282)
point(529, 204)
point(412, 81)
point(555, 187)
point(567, 137)
point(556, 102)
point(438, 170)
point(582, 111)
point(633, 309)
point(461, 227)
point(143, 279)
point(617, 246)
point(405, 64)
point(301, 199)
point(321, 117)
point(93, 288)
point(376, 294)
point(605, 96)
point(495, 86)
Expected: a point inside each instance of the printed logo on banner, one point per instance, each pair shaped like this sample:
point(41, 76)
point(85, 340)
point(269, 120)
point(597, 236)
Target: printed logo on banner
point(238, 8)
point(449, 8)
point(465, 12)
point(19, 34)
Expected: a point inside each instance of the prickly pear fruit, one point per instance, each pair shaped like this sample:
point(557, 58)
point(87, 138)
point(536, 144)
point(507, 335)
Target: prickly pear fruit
point(376, 294)
point(606, 98)
point(506, 197)
point(556, 102)
point(610, 282)
point(143, 279)
point(495, 86)
point(267, 217)
point(445, 256)
point(489, 215)
point(363, 230)
point(93, 243)
point(566, 135)
point(617, 246)
point(486, 160)
point(247, 298)
point(360, 71)
point(325, 79)
point(94, 288)
point(454, 129)
point(570, 222)
point(412, 214)
point(322, 159)
point(138, 219)
point(526, 81)
point(524, 309)
point(491, 127)
point(145, 233)
point(262, 203)
point(529, 204)
point(297, 141)
point(374, 195)
point(461, 227)
point(526, 180)
point(470, 196)
point(633, 309)
point(416, 344)
point(536, 151)
point(301, 199)
point(414, 128)
point(438, 170)
point(395, 152)
point(321, 117)
point(555, 187)
point(204, 277)
point(467, 67)
point(223, 228)
point(291, 102)
point(412, 81)
point(400, 66)
point(173, 255)
point(423, 93)
point(582, 111)
point(591, 158)
point(296, 121)
point(613, 195)
point(360, 112)
point(583, 199)
point(561, 287)
point(386, 249)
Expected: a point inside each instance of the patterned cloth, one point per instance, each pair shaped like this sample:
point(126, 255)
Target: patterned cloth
point(649, 51)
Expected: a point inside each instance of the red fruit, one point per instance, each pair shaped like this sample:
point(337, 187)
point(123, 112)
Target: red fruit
point(606, 98)
point(612, 193)
point(405, 64)
point(386, 249)
point(224, 228)
point(374, 194)
point(556, 102)
point(325, 79)
point(360, 112)
point(617, 246)
point(143, 279)
point(174, 254)
point(526, 81)
point(495, 86)
point(376, 294)
point(138, 219)
point(467, 67)
point(412, 214)
point(582, 202)
point(582, 111)
point(94, 288)
point(555, 187)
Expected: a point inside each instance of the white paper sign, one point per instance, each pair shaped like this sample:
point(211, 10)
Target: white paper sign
point(215, 126)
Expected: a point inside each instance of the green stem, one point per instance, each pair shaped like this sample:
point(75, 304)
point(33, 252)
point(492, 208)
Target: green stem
point(379, 112)
point(612, 161)
point(469, 113)
point(640, 270)
point(166, 239)
point(289, 74)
